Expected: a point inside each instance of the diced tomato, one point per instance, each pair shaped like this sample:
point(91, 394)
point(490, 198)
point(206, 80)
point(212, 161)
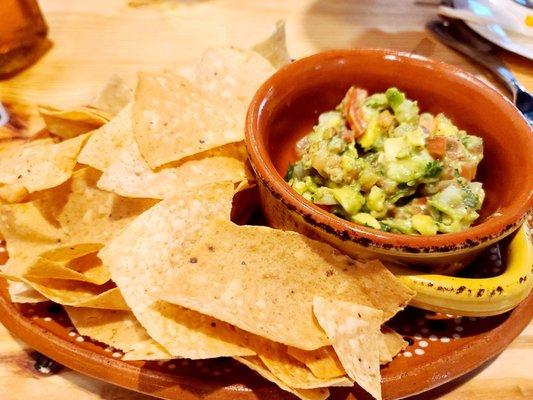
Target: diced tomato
point(347, 101)
point(436, 146)
point(468, 171)
point(353, 110)
point(420, 201)
point(347, 136)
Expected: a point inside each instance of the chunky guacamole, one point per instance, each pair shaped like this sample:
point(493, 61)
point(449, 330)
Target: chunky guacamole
point(377, 161)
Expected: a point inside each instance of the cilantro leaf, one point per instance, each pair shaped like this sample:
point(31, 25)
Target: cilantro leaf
point(433, 169)
point(290, 173)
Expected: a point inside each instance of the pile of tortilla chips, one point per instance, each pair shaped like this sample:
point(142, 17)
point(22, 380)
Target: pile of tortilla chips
point(121, 213)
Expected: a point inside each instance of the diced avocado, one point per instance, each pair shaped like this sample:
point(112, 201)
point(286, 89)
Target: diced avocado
point(366, 220)
point(299, 170)
point(399, 225)
point(330, 119)
point(348, 163)
point(395, 148)
point(328, 123)
point(472, 142)
point(415, 137)
point(367, 179)
point(371, 135)
point(454, 226)
point(324, 196)
point(477, 189)
point(351, 151)
point(311, 185)
point(308, 196)
point(451, 196)
point(401, 193)
point(404, 110)
point(349, 198)
point(424, 224)
point(376, 199)
point(405, 171)
point(394, 97)
point(299, 186)
point(407, 112)
point(336, 145)
point(402, 130)
point(378, 101)
point(445, 127)
point(450, 202)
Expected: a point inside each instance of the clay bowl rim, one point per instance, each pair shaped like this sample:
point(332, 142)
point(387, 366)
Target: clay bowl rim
point(488, 231)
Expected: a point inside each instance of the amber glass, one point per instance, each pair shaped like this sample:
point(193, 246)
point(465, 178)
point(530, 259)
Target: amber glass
point(22, 35)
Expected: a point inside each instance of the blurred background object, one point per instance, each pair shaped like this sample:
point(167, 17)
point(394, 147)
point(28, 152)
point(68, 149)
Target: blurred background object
point(4, 117)
point(22, 35)
point(507, 23)
point(455, 34)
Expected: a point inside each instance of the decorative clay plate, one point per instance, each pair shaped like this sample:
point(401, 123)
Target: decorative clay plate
point(441, 348)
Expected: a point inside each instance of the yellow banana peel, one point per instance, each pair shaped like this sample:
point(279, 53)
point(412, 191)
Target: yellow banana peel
point(476, 297)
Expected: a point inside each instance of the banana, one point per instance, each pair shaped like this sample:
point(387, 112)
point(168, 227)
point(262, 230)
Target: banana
point(476, 297)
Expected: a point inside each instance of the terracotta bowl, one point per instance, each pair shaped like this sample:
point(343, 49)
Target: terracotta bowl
point(287, 106)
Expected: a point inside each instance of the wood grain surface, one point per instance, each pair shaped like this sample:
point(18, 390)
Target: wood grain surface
point(97, 38)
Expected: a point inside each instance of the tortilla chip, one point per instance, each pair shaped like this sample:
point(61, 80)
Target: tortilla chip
point(231, 77)
point(103, 146)
point(87, 268)
point(72, 122)
point(16, 192)
point(21, 292)
point(13, 193)
point(115, 328)
point(79, 294)
point(325, 364)
point(114, 96)
point(274, 48)
point(91, 215)
point(39, 167)
point(12, 143)
point(291, 371)
point(245, 202)
point(142, 256)
point(44, 237)
point(390, 345)
point(27, 233)
point(354, 331)
point(173, 119)
point(131, 176)
point(322, 362)
point(255, 364)
point(65, 254)
point(149, 350)
point(247, 275)
point(24, 119)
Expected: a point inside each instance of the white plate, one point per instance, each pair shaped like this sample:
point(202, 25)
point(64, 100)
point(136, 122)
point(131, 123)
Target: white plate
point(514, 42)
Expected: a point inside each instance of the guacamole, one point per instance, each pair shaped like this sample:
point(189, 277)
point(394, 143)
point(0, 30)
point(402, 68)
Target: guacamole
point(377, 161)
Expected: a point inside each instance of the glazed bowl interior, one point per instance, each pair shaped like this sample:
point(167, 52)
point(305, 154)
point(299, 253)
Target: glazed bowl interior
point(288, 105)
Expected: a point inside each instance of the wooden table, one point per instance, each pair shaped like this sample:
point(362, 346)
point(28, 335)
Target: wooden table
point(93, 39)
